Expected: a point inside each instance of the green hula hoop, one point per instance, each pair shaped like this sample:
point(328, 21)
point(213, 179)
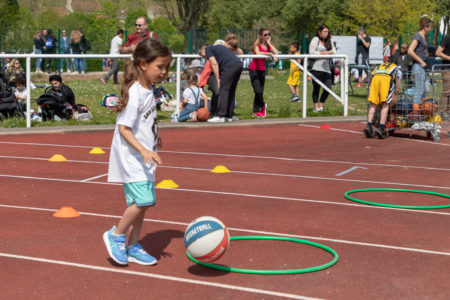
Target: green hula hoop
point(398, 206)
point(272, 272)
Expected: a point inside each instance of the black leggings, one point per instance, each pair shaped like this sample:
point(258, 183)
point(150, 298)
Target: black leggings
point(258, 78)
point(326, 79)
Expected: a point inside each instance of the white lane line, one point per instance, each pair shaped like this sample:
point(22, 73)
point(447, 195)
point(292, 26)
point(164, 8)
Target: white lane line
point(240, 195)
point(157, 276)
point(95, 177)
point(394, 137)
point(251, 231)
point(50, 145)
point(257, 157)
point(260, 173)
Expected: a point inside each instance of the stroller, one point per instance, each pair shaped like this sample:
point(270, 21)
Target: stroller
point(53, 104)
point(9, 107)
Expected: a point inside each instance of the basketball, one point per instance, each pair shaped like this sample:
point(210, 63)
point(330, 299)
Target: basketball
point(428, 107)
point(206, 239)
point(202, 114)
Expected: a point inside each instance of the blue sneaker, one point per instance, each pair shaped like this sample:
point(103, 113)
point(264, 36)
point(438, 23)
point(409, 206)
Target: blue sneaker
point(138, 255)
point(115, 244)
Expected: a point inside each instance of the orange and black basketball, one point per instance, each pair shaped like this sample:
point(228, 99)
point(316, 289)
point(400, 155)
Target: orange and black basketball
point(428, 107)
point(202, 114)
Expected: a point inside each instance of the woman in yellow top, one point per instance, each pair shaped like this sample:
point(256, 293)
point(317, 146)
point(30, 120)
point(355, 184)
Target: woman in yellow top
point(294, 77)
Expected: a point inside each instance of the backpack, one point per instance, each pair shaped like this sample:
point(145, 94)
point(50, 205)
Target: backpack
point(49, 43)
point(110, 101)
point(81, 113)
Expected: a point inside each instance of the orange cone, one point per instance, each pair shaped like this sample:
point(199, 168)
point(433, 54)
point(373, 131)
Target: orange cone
point(66, 212)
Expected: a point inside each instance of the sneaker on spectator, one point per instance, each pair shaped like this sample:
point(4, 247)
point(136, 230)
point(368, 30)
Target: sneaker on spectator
point(263, 112)
point(104, 81)
point(358, 85)
point(115, 244)
point(138, 255)
point(217, 119)
point(295, 99)
point(380, 134)
point(316, 110)
point(369, 133)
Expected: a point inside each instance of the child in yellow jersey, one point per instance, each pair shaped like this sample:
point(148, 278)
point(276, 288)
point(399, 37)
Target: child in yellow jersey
point(294, 77)
point(385, 78)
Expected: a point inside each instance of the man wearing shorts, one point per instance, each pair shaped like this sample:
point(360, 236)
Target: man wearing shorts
point(385, 78)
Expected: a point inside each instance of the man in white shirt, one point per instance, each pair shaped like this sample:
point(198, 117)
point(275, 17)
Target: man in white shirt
point(116, 45)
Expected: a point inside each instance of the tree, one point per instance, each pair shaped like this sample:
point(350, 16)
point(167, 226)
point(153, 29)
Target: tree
point(186, 15)
point(103, 27)
point(9, 10)
point(168, 34)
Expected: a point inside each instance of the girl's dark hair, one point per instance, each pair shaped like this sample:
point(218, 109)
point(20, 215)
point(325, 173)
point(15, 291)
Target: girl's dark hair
point(258, 38)
point(295, 45)
point(327, 41)
point(147, 50)
point(191, 76)
point(425, 22)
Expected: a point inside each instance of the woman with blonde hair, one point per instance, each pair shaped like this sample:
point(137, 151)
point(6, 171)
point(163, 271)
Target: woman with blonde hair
point(38, 46)
point(13, 71)
point(76, 41)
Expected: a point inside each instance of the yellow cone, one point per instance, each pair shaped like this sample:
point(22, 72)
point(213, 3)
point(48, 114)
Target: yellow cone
point(66, 212)
point(167, 184)
point(57, 158)
point(97, 150)
point(220, 169)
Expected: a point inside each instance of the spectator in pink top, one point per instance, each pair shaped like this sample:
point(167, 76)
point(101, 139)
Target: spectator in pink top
point(257, 70)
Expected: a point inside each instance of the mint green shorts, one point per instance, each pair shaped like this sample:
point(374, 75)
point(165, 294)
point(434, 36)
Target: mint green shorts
point(141, 193)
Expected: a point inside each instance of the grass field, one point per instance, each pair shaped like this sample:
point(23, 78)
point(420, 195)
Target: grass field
point(89, 90)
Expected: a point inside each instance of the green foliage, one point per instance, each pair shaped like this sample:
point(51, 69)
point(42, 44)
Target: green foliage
point(103, 27)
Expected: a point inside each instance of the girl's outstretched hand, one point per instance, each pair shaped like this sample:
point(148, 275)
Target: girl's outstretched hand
point(151, 156)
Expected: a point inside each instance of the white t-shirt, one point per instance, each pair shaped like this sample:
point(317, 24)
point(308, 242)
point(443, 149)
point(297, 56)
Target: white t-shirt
point(115, 43)
point(20, 94)
point(187, 93)
point(126, 164)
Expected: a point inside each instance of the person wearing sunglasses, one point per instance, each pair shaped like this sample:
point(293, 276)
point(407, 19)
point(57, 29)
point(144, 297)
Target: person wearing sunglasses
point(14, 71)
point(257, 70)
point(141, 33)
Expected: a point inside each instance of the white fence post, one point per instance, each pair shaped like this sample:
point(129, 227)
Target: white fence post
point(305, 87)
point(28, 83)
point(178, 86)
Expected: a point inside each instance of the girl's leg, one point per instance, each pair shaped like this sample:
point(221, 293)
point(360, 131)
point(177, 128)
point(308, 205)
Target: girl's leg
point(136, 227)
point(316, 90)
point(131, 214)
point(297, 91)
point(185, 113)
point(291, 88)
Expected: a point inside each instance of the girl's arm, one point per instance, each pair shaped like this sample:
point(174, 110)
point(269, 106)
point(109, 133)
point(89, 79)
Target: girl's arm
point(128, 135)
point(414, 56)
point(204, 97)
point(185, 100)
point(272, 47)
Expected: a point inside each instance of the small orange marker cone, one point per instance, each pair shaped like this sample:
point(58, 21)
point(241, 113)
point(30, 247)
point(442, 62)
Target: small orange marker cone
point(66, 212)
point(167, 184)
point(57, 158)
point(325, 126)
point(97, 150)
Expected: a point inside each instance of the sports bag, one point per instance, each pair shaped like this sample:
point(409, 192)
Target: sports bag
point(110, 101)
point(81, 113)
point(6, 94)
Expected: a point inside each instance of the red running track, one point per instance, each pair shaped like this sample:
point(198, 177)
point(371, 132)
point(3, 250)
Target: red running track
point(283, 182)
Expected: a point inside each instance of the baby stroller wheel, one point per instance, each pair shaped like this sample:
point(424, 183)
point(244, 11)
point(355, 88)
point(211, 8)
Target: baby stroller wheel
point(19, 114)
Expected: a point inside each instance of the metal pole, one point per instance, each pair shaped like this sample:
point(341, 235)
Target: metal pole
point(346, 78)
point(305, 86)
point(28, 85)
point(178, 79)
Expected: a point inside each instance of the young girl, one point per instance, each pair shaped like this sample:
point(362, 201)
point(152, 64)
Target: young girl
point(133, 155)
point(257, 70)
point(191, 97)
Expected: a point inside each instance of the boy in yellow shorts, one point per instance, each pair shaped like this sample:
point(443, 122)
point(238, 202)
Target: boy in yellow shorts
point(294, 77)
point(385, 78)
